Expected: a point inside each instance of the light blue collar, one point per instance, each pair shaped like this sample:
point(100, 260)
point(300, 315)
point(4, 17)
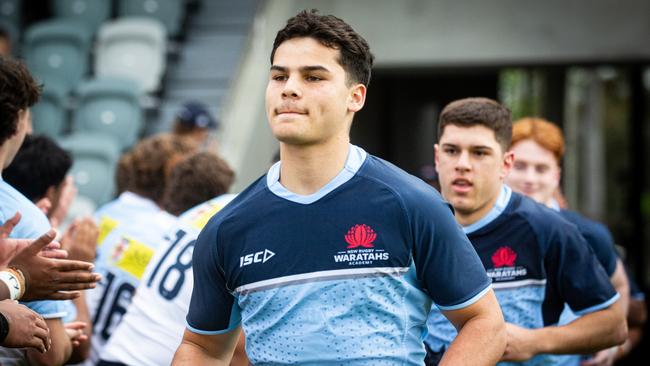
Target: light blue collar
point(356, 157)
point(500, 205)
point(554, 205)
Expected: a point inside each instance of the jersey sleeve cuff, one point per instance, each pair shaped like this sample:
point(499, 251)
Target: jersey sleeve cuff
point(467, 303)
point(210, 332)
point(601, 306)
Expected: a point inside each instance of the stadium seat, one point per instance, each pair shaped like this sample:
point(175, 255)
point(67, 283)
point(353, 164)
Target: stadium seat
point(132, 48)
point(168, 12)
point(49, 115)
point(111, 107)
point(94, 159)
point(92, 12)
point(57, 52)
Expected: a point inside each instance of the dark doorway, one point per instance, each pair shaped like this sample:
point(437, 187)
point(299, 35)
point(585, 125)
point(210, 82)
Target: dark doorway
point(399, 120)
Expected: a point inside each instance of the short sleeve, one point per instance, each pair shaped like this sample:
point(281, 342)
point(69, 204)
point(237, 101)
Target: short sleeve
point(576, 273)
point(445, 260)
point(213, 309)
point(49, 309)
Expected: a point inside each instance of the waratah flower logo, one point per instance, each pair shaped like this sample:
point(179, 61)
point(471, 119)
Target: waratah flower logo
point(360, 236)
point(504, 257)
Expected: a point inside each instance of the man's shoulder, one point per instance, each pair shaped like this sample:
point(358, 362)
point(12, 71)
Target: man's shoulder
point(245, 202)
point(33, 222)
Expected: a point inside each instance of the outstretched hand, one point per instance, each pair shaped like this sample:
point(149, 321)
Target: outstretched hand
point(9, 248)
point(52, 278)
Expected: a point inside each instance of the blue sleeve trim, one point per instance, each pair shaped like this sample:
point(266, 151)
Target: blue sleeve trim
point(58, 315)
point(467, 303)
point(602, 306)
point(210, 332)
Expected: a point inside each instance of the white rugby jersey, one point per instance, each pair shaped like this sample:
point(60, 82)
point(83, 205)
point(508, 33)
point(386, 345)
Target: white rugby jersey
point(131, 228)
point(152, 329)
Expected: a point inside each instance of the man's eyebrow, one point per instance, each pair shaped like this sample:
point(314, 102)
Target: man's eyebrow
point(302, 69)
point(313, 68)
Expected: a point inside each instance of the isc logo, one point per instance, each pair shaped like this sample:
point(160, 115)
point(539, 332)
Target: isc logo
point(259, 257)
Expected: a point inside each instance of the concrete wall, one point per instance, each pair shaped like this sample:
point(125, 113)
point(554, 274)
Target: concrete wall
point(479, 32)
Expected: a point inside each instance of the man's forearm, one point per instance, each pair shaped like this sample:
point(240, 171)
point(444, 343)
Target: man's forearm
point(587, 334)
point(189, 354)
point(480, 341)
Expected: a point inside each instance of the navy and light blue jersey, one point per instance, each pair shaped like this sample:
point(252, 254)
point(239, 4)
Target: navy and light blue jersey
point(343, 276)
point(538, 262)
point(601, 242)
point(597, 236)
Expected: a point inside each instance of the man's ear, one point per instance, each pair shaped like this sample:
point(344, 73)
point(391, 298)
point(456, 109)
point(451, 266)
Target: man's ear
point(508, 162)
point(357, 97)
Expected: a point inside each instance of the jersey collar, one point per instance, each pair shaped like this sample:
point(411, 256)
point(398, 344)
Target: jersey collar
point(356, 158)
point(500, 205)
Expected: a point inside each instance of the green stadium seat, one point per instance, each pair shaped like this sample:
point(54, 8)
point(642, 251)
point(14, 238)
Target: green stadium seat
point(57, 52)
point(133, 48)
point(168, 12)
point(94, 159)
point(49, 115)
point(110, 107)
point(92, 12)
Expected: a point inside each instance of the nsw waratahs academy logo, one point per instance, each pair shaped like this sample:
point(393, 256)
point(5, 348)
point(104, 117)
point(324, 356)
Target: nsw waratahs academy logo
point(361, 249)
point(503, 266)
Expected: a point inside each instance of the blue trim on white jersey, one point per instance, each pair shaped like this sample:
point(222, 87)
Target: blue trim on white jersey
point(356, 157)
point(467, 303)
point(602, 306)
point(500, 205)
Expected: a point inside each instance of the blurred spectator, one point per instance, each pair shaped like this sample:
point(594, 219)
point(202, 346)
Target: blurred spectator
point(42, 277)
point(152, 328)
point(39, 172)
point(193, 120)
point(195, 180)
point(131, 227)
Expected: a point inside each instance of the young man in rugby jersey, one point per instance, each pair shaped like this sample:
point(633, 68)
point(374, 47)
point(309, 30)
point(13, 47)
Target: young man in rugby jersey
point(538, 146)
point(334, 256)
point(130, 231)
point(151, 330)
point(536, 260)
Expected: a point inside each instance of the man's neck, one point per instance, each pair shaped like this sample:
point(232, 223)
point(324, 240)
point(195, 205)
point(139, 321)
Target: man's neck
point(475, 216)
point(306, 169)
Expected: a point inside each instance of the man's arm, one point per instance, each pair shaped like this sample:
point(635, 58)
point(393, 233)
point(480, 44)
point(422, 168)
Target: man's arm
point(481, 336)
point(588, 334)
point(199, 349)
point(621, 285)
point(59, 352)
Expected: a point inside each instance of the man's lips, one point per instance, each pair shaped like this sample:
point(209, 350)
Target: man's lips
point(290, 112)
point(461, 185)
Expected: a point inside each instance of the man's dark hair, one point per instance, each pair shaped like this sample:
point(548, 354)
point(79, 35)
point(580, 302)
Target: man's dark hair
point(332, 32)
point(18, 91)
point(486, 112)
point(39, 164)
point(196, 179)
